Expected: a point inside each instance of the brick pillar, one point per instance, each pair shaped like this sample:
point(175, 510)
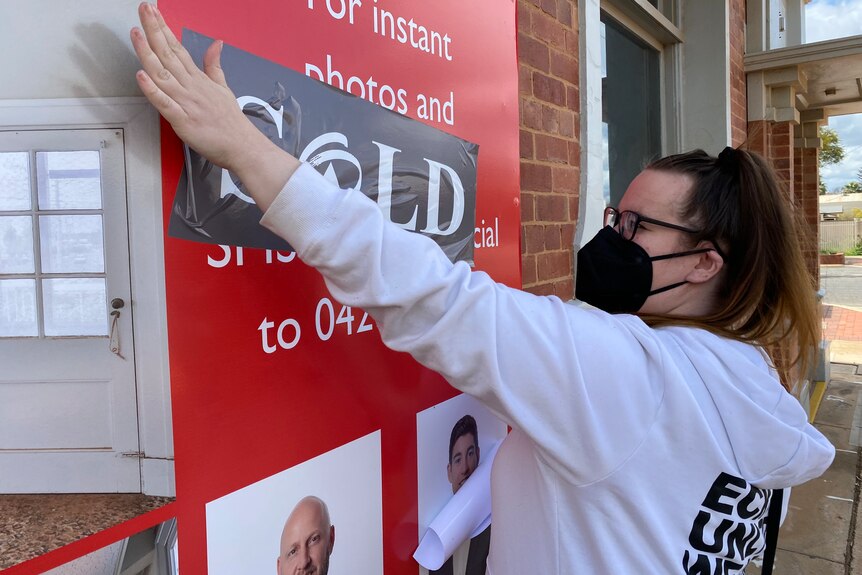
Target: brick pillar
point(758, 137)
point(738, 89)
point(781, 155)
point(774, 141)
point(798, 171)
point(550, 152)
point(807, 202)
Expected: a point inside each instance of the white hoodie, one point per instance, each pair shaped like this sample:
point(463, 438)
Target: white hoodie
point(633, 450)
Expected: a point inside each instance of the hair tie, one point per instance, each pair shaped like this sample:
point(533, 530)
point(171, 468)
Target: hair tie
point(728, 160)
point(727, 156)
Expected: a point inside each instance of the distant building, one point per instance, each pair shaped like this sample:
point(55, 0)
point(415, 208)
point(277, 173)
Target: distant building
point(839, 206)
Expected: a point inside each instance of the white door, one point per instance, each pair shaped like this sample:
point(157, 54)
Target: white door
point(68, 413)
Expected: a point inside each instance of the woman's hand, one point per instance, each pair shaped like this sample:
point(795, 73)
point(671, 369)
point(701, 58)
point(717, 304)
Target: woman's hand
point(203, 111)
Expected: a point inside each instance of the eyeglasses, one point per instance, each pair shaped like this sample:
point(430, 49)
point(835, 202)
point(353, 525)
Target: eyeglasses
point(627, 223)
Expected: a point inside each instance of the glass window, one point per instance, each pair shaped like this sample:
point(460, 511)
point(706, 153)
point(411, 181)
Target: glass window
point(72, 244)
point(16, 245)
point(18, 308)
point(69, 180)
point(631, 107)
point(55, 286)
point(14, 181)
point(74, 306)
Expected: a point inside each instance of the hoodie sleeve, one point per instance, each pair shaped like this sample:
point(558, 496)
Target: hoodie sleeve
point(564, 376)
point(772, 443)
point(810, 456)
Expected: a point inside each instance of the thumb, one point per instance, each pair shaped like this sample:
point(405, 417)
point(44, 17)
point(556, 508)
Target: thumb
point(212, 63)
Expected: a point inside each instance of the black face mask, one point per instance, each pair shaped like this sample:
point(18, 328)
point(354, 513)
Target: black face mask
point(615, 274)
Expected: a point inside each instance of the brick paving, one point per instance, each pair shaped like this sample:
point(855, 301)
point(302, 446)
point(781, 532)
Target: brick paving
point(841, 323)
point(842, 303)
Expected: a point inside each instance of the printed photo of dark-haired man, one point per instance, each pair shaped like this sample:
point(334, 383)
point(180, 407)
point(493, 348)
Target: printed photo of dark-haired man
point(470, 557)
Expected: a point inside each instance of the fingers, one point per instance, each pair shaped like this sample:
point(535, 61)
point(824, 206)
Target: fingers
point(162, 44)
point(176, 47)
point(156, 72)
point(212, 63)
point(172, 112)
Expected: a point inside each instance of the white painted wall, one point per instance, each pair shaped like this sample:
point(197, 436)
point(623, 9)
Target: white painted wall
point(706, 76)
point(67, 49)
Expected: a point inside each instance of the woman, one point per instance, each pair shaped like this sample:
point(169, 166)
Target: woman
point(641, 443)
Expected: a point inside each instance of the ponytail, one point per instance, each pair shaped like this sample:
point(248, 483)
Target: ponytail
point(766, 296)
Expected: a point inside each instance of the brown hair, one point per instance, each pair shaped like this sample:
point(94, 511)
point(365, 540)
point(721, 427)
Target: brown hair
point(464, 426)
point(766, 296)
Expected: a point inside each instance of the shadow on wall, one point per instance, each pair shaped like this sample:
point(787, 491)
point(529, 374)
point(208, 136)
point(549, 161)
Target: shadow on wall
point(105, 62)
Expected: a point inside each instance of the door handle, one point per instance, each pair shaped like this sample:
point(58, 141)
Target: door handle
point(114, 340)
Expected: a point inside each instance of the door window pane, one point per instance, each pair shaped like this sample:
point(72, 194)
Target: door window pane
point(75, 306)
point(631, 107)
point(72, 244)
point(69, 180)
point(16, 245)
point(18, 308)
point(14, 181)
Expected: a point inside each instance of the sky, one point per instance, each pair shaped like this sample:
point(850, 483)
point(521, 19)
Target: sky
point(826, 20)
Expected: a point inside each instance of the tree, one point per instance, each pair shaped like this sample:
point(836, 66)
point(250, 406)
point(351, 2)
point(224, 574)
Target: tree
point(831, 152)
point(822, 185)
point(852, 188)
point(851, 215)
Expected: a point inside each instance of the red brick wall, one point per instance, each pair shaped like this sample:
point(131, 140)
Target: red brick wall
point(781, 155)
point(738, 102)
point(798, 169)
point(758, 137)
point(807, 202)
point(550, 153)
point(774, 141)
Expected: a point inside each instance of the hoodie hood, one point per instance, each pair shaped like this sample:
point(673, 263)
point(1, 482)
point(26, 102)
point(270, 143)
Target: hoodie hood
point(772, 442)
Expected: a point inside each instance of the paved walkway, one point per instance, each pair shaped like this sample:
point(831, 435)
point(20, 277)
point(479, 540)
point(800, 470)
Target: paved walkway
point(842, 323)
point(843, 284)
point(842, 310)
point(822, 534)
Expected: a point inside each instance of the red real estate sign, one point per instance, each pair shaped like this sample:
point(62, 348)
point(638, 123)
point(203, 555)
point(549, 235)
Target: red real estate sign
point(275, 384)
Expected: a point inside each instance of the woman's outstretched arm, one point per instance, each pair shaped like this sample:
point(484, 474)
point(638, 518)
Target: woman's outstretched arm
point(190, 99)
